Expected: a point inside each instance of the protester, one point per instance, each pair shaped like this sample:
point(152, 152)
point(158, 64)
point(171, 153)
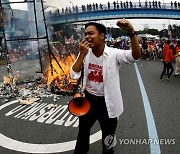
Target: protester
point(165, 50)
point(101, 85)
point(168, 57)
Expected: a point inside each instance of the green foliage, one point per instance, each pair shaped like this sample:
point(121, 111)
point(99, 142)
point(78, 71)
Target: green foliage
point(175, 31)
point(116, 32)
point(152, 31)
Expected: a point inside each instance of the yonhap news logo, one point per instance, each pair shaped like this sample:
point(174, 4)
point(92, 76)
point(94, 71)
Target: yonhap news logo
point(147, 141)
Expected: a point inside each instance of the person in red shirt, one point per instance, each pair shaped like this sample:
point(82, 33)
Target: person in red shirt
point(165, 48)
point(168, 57)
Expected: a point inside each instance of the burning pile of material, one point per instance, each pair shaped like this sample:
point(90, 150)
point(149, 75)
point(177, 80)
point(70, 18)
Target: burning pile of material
point(8, 87)
point(53, 82)
point(9, 83)
point(26, 93)
point(59, 78)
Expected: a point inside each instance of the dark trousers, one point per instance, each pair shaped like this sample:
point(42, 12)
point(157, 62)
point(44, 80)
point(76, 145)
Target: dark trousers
point(167, 66)
point(98, 111)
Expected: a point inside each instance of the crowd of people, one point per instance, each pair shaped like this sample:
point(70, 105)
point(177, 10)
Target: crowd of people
point(115, 5)
point(165, 50)
point(151, 49)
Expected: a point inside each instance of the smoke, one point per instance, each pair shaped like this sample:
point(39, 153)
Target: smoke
point(22, 51)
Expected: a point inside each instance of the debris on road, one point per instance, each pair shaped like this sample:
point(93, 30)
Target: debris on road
point(28, 101)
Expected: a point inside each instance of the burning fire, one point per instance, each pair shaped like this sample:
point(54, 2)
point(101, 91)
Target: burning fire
point(61, 77)
point(57, 75)
point(10, 80)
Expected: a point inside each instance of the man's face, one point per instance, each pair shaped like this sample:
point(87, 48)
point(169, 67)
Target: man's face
point(93, 36)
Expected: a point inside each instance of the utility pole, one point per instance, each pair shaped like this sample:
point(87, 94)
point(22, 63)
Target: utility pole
point(169, 31)
point(163, 29)
point(163, 4)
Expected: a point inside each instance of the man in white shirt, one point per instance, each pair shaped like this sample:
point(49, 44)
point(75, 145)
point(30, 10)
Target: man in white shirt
point(101, 85)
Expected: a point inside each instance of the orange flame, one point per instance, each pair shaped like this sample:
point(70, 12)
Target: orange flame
point(61, 77)
point(8, 80)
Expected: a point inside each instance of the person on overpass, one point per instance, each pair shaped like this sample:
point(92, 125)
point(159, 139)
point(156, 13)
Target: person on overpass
point(101, 84)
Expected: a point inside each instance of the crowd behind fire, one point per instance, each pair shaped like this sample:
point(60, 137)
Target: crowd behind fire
point(151, 49)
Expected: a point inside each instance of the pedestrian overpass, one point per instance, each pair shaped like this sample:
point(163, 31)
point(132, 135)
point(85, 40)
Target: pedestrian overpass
point(165, 12)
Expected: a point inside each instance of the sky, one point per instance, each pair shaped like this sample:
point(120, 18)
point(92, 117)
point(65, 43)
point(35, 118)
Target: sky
point(139, 24)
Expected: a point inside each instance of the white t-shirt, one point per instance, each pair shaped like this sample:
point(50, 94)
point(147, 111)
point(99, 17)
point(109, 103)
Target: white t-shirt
point(95, 83)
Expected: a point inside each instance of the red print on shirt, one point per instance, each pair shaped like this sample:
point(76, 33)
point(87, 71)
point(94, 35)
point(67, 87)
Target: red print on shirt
point(96, 73)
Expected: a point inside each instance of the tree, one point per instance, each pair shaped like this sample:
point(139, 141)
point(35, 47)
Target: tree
point(152, 31)
point(163, 33)
point(175, 30)
point(116, 32)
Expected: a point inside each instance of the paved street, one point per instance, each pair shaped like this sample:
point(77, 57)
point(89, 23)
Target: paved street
point(45, 130)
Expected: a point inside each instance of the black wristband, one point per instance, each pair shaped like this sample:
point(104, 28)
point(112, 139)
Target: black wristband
point(130, 35)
